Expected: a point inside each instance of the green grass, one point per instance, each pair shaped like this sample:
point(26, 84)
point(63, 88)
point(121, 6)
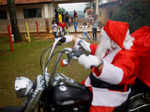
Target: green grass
point(25, 61)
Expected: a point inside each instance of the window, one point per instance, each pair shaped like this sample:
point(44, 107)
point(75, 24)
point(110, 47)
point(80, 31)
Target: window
point(3, 14)
point(32, 13)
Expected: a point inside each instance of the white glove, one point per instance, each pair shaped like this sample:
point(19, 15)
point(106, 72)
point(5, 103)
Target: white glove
point(82, 43)
point(89, 61)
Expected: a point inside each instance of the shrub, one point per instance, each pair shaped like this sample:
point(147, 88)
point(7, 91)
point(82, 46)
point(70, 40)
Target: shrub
point(136, 13)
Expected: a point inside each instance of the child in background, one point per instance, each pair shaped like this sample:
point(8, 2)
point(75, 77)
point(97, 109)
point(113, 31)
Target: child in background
point(67, 30)
point(75, 25)
point(94, 28)
point(54, 28)
point(84, 28)
point(62, 25)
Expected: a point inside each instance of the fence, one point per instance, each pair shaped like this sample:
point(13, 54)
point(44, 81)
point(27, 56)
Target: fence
point(35, 23)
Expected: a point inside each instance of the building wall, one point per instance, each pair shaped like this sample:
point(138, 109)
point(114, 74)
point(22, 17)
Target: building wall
point(103, 15)
point(47, 12)
point(3, 22)
point(106, 12)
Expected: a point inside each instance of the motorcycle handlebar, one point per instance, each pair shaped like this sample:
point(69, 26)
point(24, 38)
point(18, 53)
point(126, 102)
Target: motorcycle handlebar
point(70, 52)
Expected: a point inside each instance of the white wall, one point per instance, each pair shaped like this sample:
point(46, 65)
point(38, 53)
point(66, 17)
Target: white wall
point(48, 11)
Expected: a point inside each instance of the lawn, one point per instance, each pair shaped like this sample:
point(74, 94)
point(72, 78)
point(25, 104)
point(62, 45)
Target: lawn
point(25, 61)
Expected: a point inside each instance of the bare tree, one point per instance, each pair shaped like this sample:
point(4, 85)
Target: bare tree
point(13, 20)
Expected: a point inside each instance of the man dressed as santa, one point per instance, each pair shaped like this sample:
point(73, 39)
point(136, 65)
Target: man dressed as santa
point(113, 67)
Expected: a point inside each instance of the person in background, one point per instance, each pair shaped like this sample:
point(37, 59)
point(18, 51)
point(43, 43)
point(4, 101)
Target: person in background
point(75, 25)
point(67, 18)
point(59, 18)
point(94, 28)
point(63, 16)
point(67, 30)
point(75, 15)
point(56, 16)
point(84, 28)
point(54, 28)
point(69, 21)
point(62, 27)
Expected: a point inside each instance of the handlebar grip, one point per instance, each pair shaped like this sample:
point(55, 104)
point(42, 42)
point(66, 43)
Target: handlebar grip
point(62, 40)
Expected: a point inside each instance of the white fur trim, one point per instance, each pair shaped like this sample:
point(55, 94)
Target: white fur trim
point(109, 58)
point(68, 38)
point(110, 74)
point(87, 82)
point(128, 42)
point(105, 97)
point(105, 44)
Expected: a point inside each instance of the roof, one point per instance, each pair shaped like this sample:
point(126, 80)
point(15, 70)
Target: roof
point(19, 2)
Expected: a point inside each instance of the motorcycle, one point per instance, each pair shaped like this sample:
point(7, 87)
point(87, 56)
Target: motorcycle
point(55, 92)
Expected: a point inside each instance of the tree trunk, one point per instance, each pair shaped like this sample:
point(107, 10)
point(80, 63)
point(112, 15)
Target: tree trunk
point(13, 20)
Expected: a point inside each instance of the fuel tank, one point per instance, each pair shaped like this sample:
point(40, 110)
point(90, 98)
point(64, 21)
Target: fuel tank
point(71, 94)
point(67, 91)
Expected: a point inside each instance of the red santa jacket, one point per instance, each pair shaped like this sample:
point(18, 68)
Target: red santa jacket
point(124, 60)
point(121, 71)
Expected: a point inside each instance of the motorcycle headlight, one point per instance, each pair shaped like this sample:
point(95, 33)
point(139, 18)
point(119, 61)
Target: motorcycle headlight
point(23, 86)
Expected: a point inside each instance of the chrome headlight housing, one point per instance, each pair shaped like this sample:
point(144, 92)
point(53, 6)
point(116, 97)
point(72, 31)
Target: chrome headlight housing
point(23, 86)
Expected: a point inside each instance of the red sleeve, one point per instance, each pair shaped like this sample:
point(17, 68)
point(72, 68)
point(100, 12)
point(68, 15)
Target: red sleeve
point(128, 62)
point(93, 48)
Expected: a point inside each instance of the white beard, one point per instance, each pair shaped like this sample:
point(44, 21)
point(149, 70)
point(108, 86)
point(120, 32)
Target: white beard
point(102, 49)
point(104, 46)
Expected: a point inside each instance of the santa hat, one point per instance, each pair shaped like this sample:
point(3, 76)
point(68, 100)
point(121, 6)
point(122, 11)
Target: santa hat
point(117, 31)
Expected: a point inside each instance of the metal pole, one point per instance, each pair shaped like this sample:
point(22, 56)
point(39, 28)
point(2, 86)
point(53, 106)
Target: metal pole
point(97, 7)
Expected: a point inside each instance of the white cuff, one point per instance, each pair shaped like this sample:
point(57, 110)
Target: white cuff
point(111, 74)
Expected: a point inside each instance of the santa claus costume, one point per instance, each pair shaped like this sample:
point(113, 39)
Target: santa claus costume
point(110, 85)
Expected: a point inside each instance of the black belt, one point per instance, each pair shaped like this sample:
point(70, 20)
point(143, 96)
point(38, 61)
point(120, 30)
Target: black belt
point(101, 84)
